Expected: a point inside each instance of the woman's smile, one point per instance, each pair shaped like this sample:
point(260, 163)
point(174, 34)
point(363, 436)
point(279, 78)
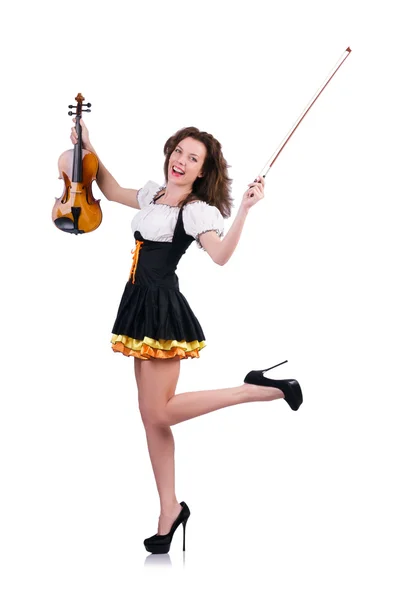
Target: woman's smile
point(177, 171)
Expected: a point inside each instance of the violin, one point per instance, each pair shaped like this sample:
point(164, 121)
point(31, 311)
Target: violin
point(77, 211)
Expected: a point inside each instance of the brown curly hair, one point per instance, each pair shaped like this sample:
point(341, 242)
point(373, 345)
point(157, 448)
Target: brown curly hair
point(214, 186)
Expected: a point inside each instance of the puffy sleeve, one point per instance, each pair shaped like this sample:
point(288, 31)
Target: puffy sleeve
point(147, 192)
point(200, 217)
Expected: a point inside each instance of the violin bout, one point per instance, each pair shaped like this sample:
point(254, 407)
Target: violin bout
point(77, 211)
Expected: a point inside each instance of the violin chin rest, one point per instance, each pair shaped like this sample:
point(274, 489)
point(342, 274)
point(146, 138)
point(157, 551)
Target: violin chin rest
point(67, 225)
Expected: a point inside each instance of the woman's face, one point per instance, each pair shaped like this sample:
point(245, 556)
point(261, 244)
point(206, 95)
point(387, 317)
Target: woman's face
point(188, 157)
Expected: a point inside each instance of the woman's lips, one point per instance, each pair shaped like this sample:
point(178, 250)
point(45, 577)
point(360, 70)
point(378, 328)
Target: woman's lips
point(175, 173)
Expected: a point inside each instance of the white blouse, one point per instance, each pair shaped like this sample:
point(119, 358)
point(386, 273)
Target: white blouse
point(157, 222)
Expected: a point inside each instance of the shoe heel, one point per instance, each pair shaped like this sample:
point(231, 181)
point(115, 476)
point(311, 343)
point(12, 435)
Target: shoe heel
point(284, 361)
point(184, 533)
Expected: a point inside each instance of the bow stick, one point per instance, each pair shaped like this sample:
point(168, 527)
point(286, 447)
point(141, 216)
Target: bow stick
point(275, 155)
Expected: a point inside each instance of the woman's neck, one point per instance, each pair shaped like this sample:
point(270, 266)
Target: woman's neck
point(175, 193)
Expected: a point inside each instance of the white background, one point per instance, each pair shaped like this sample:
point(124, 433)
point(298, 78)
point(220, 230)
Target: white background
point(283, 504)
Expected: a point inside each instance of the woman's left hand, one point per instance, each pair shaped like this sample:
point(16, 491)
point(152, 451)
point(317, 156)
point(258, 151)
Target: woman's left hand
point(254, 192)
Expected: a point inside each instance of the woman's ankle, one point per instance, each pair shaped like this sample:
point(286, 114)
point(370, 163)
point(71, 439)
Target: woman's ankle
point(168, 507)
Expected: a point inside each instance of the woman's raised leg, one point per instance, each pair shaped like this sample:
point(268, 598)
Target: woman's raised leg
point(193, 404)
point(162, 406)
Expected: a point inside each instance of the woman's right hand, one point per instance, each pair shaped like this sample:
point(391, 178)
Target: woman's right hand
point(84, 135)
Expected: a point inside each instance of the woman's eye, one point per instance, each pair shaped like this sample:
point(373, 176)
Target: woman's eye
point(179, 150)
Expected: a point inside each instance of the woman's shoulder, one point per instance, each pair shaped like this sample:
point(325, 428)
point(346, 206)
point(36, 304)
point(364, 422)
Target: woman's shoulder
point(198, 214)
point(198, 206)
point(149, 191)
point(201, 217)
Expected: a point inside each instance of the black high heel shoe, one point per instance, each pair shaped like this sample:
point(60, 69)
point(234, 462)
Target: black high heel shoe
point(160, 544)
point(290, 387)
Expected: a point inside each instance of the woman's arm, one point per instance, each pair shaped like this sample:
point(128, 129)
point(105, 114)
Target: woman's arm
point(111, 188)
point(105, 180)
point(221, 250)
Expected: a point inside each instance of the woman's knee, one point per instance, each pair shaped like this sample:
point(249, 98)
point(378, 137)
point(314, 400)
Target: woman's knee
point(152, 412)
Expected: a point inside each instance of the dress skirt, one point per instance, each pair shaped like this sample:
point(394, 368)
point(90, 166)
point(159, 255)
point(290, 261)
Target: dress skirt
point(154, 319)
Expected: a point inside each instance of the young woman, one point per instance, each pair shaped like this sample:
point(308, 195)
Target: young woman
point(155, 323)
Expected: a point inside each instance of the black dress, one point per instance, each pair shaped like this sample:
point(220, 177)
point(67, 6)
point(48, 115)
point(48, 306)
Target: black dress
point(154, 319)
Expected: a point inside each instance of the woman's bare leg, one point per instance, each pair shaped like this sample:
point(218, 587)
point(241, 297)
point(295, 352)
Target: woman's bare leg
point(160, 408)
point(193, 404)
point(161, 446)
point(169, 409)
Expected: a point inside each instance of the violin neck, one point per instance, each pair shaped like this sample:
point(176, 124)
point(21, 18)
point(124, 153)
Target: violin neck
point(77, 175)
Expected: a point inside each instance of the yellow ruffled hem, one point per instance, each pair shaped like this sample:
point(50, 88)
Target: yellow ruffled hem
point(150, 348)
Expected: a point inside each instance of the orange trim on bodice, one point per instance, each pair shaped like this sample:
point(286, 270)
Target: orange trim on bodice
point(135, 254)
